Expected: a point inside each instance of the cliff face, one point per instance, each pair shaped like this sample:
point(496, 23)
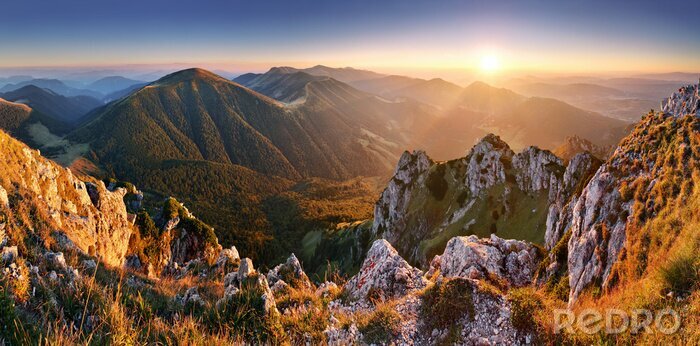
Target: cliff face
point(490, 191)
point(41, 195)
point(644, 175)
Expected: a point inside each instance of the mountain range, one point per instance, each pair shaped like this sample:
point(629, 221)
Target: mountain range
point(482, 249)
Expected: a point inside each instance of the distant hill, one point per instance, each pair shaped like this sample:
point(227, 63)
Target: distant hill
point(54, 85)
point(17, 119)
point(108, 85)
point(246, 77)
point(565, 91)
point(436, 92)
point(279, 84)
point(449, 119)
point(123, 92)
point(65, 109)
point(575, 145)
point(196, 115)
point(343, 74)
point(545, 122)
point(222, 148)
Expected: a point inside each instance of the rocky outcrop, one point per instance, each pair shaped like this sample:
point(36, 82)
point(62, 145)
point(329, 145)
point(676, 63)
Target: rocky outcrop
point(486, 164)
point(188, 245)
point(685, 101)
point(579, 171)
point(537, 170)
point(384, 273)
point(470, 257)
point(575, 145)
point(94, 218)
point(426, 198)
point(247, 278)
point(392, 206)
point(600, 217)
point(289, 273)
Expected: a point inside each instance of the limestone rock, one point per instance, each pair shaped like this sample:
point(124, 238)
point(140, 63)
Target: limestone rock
point(227, 256)
point(470, 257)
point(245, 269)
point(537, 170)
point(385, 273)
point(92, 217)
point(685, 101)
point(9, 254)
point(56, 259)
point(579, 171)
point(290, 272)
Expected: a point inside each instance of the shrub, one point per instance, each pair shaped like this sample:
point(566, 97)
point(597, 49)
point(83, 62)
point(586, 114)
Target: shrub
point(201, 229)
point(245, 313)
point(682, 274)
point(146, 225)
point(524, 302)
point(446, 302)
point(171, 208)
point(381, 326)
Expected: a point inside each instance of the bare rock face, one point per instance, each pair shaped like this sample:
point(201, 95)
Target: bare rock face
point(186, 246)
point(537, 170)
point(92, 217)
point(470, 257)
point(591, 252)
point(426, 198)
point(392, 206)
point(290, 273)
point(685, 101)
point(485, 164)
point(600, 217)
point(580, 169)
point(384, 272)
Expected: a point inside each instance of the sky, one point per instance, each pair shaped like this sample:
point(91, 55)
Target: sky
point(392, 36)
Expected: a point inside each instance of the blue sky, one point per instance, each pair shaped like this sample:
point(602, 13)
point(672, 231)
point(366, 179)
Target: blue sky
point(652, 36)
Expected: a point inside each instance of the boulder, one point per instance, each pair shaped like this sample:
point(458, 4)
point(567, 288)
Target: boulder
point(384, 272)
point(56, 259)
point(471, 257)
point(227, 256)
point(290, 272)
point(9, 254)
point(245, 269)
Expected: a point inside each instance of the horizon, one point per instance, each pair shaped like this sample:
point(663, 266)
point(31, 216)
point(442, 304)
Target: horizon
point(457, 40)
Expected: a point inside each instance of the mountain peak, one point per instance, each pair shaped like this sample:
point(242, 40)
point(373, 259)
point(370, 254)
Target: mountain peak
point(189, 74)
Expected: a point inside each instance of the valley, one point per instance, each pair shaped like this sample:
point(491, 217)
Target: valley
point(369, 207)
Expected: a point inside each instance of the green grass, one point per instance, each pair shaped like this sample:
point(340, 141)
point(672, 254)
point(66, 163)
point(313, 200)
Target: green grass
point(520, 223)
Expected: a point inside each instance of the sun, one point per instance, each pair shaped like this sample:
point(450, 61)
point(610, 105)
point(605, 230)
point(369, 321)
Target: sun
point(490, 63)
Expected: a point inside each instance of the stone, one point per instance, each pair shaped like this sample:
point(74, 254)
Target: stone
point(52, 276)
point(291, 272)
point(9, 254)
point(245, 269)
point(475, 258)
point(190, 297)
point(227, 256)
point(325, 289)
point(56, 259)
point(386, 273)
point(279, 286)
point(89, 265)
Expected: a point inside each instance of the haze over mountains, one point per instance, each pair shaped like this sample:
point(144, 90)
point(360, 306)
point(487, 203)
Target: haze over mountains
point(202, 138)
point(458, 116)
